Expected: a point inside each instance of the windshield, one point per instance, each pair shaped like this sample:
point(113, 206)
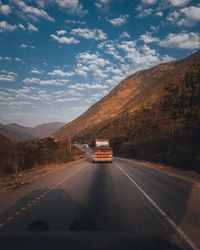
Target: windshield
point(99, 122)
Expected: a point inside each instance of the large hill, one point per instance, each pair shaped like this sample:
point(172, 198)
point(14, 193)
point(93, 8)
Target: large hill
point(153, 114)
point(14, 132)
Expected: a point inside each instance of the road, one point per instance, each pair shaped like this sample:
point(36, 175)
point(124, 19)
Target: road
point(123, 196)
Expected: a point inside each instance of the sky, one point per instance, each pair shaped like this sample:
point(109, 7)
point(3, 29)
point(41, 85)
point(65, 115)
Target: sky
point(59, 57)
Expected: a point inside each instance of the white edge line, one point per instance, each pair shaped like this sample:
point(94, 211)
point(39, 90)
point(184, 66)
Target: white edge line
point(170, 221)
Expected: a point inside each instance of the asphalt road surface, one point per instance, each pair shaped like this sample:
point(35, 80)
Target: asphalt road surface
point(123, 196)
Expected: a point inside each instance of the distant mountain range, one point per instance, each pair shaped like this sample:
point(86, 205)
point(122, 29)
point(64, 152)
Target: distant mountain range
point(14, 132)
point(153, 114)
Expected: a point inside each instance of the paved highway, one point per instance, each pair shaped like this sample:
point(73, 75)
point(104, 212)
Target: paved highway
point(123, 196)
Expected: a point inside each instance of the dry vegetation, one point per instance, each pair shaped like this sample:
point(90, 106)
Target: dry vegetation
point(153, 115)
point(15, 157)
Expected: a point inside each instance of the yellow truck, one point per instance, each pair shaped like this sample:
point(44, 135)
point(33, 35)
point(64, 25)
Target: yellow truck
point(102, 152)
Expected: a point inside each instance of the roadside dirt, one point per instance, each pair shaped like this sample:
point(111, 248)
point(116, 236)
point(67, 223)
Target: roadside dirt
point(14, 181)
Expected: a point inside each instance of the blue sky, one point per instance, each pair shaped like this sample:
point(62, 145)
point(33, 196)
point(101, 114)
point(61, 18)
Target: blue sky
point(58, 57)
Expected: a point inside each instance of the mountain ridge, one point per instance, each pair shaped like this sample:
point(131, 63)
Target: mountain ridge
point(132, 85)
point(153, 114)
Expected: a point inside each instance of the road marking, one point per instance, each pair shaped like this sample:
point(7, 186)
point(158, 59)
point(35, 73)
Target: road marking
point(10, 218)
point(154, 204)
point(43, 194)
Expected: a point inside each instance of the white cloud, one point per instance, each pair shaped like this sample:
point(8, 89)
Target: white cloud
point(149, 1)
point(34, 12)
point(36, 71)
point(95, 34)
point(94, 59)
point(67, 99)
point(81, 72)
point(57, 82)
point(8, 58)
point(72, 6)
point(65, 40)
point(4, 26)
point(59, 72)
point(111, 49)
point(31, 27)
point(186, 16)
point(119, 21)
point(124, 35)
point(8, 76)
point(5, 9)
point(18, 59)
point(143, 12)
point(21, 26)
point(61, 32)
point(159, 13)
point(31, 80)
point(101, 3)
point(179, 3)
point(24, 46)
point(84, 86)
point(182, 41)
point(192, 15)
point(147, 38)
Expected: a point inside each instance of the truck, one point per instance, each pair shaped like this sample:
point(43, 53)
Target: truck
point(102, 152)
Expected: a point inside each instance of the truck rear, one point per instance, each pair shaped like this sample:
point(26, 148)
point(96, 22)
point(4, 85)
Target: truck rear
point(102, 152)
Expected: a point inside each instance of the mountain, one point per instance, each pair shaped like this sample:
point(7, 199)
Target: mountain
point(154, 114)
point(14, 132)
point(47, 129)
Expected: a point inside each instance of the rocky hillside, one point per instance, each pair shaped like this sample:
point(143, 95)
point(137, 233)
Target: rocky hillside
point(153, 114)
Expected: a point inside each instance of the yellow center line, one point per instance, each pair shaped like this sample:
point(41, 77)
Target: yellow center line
point(10, 218)
point(1, 225)
point(43, 194)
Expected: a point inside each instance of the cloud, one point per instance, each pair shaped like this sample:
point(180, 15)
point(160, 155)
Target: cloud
point(101, 3)
point(147, 38)
point(5, 9)
point(65, 40)
point(149, 2)
point(34, 12)
point(59, 72)
point(181, 41)
point(23, 45)
point(159, 13)
point(8, 58)
point(72, 6)
point(75, 22)
point(18, 59)
point(57, 82)
point(8, 76)
point(84, 86)
point(179, 3)
point(124, 35)
point(35, 71)
point(144, 12)
point(21, 26)
point(94, 59)
point(61, 32)
point(192, 16)
point(119, 21)
point(4, 26)
point(68, 99)
point(95, 34)
point(31, 27)
point(188, 16)
point(111, 49)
